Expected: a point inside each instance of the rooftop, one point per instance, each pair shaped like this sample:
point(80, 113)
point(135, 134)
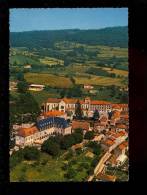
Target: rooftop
point(80, 124)
point(24, 132)
point(60, 122)
point(53, 113)
point(53, 100)
point(105, 177)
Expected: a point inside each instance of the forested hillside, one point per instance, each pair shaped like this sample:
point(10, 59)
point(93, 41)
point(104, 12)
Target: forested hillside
point(114, 37)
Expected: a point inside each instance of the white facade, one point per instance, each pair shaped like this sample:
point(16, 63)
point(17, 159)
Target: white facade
point(40, 136)
point(86, 105)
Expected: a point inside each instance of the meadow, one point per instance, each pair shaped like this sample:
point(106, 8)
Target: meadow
point(49, 80)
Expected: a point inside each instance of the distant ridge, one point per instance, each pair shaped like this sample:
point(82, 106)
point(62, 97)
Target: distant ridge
point(109, 36)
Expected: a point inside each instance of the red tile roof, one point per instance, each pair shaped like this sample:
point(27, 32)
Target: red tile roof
point(121, 126)
point(53, 100)
point(80, 124)
point(108, 142)
point(24, 132)
point(99, 102)
point(53, 113)
point(123, 145)
point(105, 177)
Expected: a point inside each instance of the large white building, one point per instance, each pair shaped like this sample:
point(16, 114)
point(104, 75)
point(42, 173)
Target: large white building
point(69, 105)
point(42, 131)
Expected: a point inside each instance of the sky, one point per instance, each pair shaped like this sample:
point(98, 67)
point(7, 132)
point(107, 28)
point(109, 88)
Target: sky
point(66, 18)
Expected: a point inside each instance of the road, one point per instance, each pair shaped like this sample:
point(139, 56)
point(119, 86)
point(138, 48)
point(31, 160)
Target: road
point(101, 164)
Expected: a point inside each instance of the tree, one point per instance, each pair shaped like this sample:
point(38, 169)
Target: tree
point(50, 147)
point(89, 135)
point(20, 76)
point(78, 137)
point(78, 111)
point(124, 98)
point(96, 115)
point(75, 91)
point(62, 93)
point(94, 162)
point(31, 153)
point(16, 158)
point(95, 147)
point(79, 130)
point(67, 141)
point(22, 87)
point(26, 104)
point(71, 173)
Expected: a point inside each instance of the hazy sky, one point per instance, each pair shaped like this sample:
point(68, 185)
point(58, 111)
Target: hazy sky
point(66, 18)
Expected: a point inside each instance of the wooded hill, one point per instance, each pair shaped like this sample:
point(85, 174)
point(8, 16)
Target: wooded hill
point(111, 36)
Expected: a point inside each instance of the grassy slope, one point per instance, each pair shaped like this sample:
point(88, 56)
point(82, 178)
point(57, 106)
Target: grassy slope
point(48, 79)
point(99, 80)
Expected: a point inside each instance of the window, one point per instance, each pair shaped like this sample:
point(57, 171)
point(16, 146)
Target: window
point(62, 107)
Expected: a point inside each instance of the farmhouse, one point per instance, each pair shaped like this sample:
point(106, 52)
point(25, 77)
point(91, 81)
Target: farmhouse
point(88, 87)
point(104, 177)
point(27, 66)
point(12, 86)
point(35, 87)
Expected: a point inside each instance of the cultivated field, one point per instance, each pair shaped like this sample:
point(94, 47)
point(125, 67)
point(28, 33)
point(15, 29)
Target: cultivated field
point(49, 80)
point(99, 80)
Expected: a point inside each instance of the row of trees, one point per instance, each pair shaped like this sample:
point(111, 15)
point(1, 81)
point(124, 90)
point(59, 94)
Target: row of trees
point(100, 72)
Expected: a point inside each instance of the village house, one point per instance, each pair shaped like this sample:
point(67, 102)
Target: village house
point(120, 107)
point(105, 177)
point(120, 127)
point(119, 156)
point(88, 87)
point(106, 144)
point(27, 66)
point(98, 127)
point(121, 149)
point(103, 120)
point(42, 130)
point(36, 87)
point(81, 124)
point(99, 138)
point(92, 91)
point(121, 159)
point(12, 86)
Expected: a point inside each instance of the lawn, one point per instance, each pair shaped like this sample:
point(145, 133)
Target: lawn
point(49, 80)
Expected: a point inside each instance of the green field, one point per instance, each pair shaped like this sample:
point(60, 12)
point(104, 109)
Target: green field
point(42, 96)
point(51, 61)
point(99, 80)
point(21, 59)
point(49, 80)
